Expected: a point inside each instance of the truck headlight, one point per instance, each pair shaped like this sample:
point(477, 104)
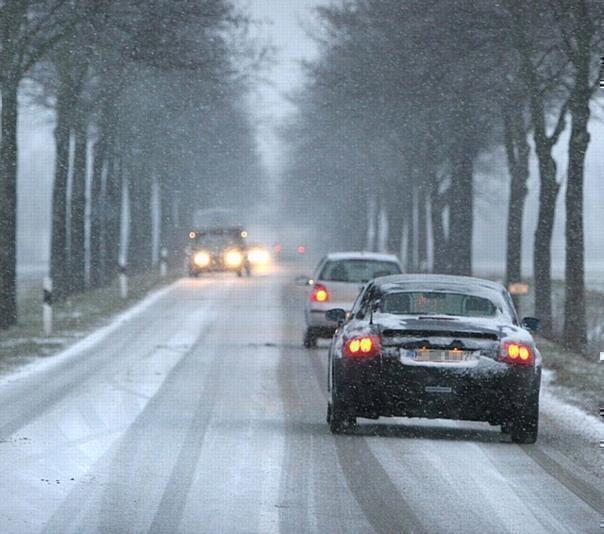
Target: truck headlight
point(233, 258)
point(202, 259)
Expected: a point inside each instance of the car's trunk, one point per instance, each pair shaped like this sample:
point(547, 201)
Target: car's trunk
point(342, 294)
point(441, 335)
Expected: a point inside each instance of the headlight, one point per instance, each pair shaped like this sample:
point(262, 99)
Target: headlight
point(233, 258)
point(202, 259)
point(258, 256)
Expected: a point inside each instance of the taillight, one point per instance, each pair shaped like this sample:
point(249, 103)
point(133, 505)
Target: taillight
point(319, 293)
point(363, 347)
point(517, 353)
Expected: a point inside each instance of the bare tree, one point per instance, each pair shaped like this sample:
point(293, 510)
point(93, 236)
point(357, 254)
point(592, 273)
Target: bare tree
point(28, 30)
point(581, 26)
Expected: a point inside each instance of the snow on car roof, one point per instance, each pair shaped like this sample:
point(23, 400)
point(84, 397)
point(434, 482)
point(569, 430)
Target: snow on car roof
point(362, 255)
point(436, 281)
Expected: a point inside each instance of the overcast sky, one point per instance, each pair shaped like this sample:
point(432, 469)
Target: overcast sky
point(282, 23)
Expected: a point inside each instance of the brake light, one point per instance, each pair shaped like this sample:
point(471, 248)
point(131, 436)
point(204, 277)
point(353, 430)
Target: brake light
point(363, 347)
point(319, 293)
point(517, 353)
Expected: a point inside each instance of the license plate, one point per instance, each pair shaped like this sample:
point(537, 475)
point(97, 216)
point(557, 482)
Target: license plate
point(438, 355)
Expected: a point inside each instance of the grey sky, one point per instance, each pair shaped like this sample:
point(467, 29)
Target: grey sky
point(282, 24)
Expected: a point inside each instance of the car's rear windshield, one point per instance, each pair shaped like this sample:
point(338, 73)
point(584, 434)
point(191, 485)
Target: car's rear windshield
point(437, 303)
point(357, 271)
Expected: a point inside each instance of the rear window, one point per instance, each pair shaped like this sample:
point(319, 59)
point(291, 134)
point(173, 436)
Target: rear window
point(357, 271)
point(437, 303)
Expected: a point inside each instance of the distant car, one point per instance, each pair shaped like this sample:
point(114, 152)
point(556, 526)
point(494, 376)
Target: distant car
point(258, 255)
point(336, 283)
point(218, 249)
point(438, 347)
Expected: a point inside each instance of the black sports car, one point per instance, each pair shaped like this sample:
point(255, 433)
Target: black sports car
point(435, 346)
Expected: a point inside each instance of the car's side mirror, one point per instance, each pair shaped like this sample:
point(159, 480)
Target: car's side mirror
point(337, 315)
point(303, 281)
point(531, 323)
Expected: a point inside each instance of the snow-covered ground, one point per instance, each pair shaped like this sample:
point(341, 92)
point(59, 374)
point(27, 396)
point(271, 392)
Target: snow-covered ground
point(198, 410)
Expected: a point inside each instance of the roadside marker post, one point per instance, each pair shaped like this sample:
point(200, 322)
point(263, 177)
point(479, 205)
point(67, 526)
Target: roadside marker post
point(47, 305)
point(123, 281)
point(163, 262)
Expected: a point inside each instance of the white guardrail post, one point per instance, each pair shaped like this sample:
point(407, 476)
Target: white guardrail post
point(163, 262)
point(47, 305)
point(123, 280)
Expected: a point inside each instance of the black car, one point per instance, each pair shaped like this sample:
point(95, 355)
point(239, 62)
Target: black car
point(435, 346)
point(218, 249)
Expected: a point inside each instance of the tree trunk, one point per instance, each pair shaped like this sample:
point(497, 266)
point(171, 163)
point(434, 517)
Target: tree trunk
point(409, 229)
point(440, 253)
point(396, 218)
point(461, 209)
point(58, 248)
point(517, 151)
point(575, 329)
point(139, 244)
point(97, 202)
point(542, 256)
point(77, 260)
point(8, 205)
point(422, 230)
point(112, 218)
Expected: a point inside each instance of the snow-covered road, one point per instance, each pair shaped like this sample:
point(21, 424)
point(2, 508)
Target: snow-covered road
point(201, 412)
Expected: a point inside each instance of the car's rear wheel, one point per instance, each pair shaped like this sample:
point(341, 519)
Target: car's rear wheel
point(525, 427)
point(338, 416)
point(310, 339)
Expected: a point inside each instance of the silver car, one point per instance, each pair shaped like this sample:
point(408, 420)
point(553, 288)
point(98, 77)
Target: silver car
point(336, 282)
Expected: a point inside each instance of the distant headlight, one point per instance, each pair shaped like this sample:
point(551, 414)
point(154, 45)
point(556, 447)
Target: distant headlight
point(258, 256)
point(233, 258)
point(202, 259)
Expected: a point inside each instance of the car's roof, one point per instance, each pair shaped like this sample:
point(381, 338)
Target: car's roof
point(435, 281)
point(361, 255)
point(215, 229)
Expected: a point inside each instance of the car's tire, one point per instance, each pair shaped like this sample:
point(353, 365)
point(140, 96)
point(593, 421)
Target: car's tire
point(506, 428)
point(310, 339)
point(525, 427)
point(339, 417)
point(239, 273)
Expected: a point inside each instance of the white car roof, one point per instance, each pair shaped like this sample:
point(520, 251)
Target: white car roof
point(362, 255)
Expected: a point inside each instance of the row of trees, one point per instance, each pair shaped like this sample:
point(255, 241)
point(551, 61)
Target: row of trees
point(406, 99)
point(148, 101)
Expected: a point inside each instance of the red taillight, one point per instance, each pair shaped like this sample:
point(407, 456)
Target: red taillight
point(319, 293)
point(301, 249)
point(363, 347)
point(517, 353)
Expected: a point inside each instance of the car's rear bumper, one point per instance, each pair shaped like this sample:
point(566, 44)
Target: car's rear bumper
point(374, 389)
point(213, 267)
